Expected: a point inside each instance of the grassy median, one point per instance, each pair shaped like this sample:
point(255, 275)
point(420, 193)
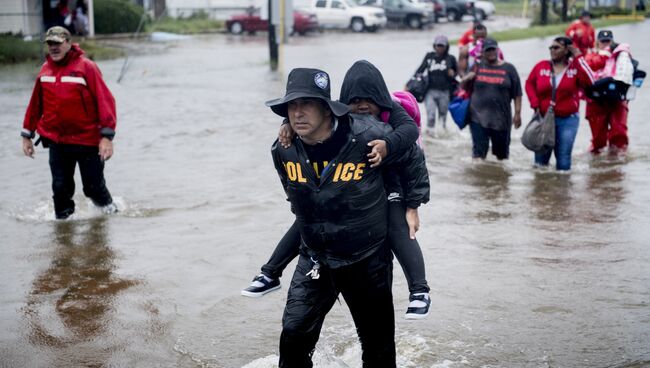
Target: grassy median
point(552, 29)
point(195, 24)
point(14, 49)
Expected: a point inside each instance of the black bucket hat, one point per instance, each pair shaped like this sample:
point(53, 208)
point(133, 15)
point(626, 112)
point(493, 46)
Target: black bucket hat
point(304, 82)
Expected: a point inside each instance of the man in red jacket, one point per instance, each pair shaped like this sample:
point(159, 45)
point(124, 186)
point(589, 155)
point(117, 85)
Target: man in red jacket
point(73, 112)
point(582, 33)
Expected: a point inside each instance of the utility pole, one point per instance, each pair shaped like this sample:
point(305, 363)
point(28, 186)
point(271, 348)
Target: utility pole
point(273, 42)
point(91, 19)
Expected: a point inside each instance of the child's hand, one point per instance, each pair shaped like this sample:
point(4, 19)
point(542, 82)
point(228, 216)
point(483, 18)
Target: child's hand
point(378, 152)
point(285, 135)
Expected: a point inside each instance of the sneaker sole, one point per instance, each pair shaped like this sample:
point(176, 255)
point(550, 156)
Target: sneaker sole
point(260, 294)
point(416, 316)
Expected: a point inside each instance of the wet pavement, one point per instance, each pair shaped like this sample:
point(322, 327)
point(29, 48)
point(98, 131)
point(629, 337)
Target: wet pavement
point(527, 268)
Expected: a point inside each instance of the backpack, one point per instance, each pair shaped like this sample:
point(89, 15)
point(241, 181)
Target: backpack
point(410, 105)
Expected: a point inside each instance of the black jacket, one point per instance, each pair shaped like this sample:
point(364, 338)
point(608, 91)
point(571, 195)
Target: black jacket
point(364, 80)
point(342, 215)
point(436, 68)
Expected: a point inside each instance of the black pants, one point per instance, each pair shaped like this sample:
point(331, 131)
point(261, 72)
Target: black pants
point(63, 160)
point(285, 251)
point(407, 250)
point(366, 288)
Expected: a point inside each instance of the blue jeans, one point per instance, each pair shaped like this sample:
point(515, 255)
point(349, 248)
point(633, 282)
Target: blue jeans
point(566, 129)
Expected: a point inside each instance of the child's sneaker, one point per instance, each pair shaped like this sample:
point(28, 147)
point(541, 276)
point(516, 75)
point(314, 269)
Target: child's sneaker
point(261, 285)
point(418, 306)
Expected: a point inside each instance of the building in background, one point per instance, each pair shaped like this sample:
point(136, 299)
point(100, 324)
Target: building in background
point(22, 17)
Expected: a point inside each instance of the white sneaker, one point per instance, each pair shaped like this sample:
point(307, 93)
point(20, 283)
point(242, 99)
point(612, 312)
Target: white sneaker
point(261, 286)
point(419, 306)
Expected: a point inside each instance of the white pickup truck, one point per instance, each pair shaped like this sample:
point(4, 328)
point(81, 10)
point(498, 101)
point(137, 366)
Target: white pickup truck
point(344, 14)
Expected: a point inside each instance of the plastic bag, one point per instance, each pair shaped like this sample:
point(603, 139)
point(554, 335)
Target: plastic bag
point(458, 109)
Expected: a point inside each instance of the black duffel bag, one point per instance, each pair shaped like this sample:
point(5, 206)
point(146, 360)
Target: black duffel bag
point(608, 90)
point(418, 85)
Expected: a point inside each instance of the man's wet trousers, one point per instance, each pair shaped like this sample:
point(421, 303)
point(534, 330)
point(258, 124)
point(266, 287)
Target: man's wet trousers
point(366, 288)
point(63, 161)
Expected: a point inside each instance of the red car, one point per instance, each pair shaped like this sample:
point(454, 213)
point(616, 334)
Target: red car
point(303, 22)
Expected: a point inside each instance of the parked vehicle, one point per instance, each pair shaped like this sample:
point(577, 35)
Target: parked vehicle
point(411, 13)
point(456, 9)
point(484, 9)
point(251, 22)
point(345, 14)
point(439, 8)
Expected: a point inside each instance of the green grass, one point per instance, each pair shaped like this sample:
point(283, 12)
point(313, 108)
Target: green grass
point(97, 51)
point(14, 50)
point(510, 8)
point(193, 25)
point(550, 30)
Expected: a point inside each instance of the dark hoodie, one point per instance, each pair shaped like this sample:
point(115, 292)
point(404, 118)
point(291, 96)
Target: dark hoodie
point(437, 67)
point(364, 80)
point(411, 181)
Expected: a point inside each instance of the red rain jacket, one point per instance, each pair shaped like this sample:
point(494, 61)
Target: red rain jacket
point(583, 35)
point(70, 103)
point(577, 76)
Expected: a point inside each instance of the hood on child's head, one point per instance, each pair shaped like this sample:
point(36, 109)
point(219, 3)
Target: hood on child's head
point(364, 80)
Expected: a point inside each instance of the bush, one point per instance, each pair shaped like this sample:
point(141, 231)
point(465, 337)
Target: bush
point(14, 50)
point(552, 17)
point(604, 11)
point(117, 16)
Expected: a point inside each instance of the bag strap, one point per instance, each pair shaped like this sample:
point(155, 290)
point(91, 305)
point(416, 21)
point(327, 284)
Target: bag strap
point(553, 84)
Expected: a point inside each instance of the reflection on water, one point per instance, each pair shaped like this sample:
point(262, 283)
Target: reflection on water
point(551, 196)
point(492, 194)
point(606, 190)
point(70, 302)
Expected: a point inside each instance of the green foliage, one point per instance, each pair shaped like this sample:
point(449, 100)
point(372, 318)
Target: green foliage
point(95, 51)
point(196, 23)
point(116, 16)
point(550, 30)
point(604, 11)
point(552, 17)
point(14, 50)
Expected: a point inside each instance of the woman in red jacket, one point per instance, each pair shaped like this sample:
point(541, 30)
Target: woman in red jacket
point(571, 74)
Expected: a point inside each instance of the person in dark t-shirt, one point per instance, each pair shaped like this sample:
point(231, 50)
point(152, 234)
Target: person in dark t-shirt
point(495, 84)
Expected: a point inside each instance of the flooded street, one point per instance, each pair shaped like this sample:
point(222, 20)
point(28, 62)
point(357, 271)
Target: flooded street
point(528, 268)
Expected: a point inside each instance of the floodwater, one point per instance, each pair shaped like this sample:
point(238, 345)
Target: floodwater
point(528, 268)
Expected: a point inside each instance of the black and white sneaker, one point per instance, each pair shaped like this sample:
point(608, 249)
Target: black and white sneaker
point(260, 286)
point(418, 306)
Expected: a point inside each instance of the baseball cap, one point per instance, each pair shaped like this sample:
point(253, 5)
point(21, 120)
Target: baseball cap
point(489, 43)
point(605, 35)
point(440, 40)
point(57, 34)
